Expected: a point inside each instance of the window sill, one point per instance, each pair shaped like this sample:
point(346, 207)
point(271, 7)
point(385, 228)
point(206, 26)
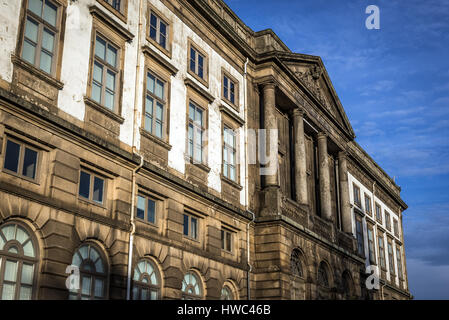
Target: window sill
point(87, 201)
point(15, 174)
point(19, 62)
point(155, 139)
point(104, 110)
point(118, 14)
point(202, 166)
point(191, 239)
point(165, 51)
point(147, 223)
point(229, 103)
point(231, 182)
point(190, 83)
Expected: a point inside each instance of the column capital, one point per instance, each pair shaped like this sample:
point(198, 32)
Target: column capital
point(270, 84)
point(342, 154)
point(322, 135)
point(298, 112)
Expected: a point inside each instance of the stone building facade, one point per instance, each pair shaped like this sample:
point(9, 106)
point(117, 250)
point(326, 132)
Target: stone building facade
point(127, 130)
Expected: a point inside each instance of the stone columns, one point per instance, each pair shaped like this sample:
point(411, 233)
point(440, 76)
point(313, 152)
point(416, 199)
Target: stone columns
point(345, 208)
point(325, 186)
point(300, 157)
point(270, 123)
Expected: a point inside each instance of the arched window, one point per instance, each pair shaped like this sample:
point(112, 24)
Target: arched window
point(295, 264)
point(18, 262)
point(348, 286)
point(191, 287)
point(93, 274)
point(226, 293)
point(146, 281)
point(323, 276)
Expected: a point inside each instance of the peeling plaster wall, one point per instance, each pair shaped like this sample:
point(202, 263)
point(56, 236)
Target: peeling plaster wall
point(75, 62)
point(9, 29)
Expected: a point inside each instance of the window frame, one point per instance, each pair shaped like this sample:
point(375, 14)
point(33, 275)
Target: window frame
point(399, 262)
point(205, 79)
point(93, 175)
point(156, 209)
point(189, 227)
point(224, 233)
point(396, 227)
point(139, 284)
point(160, 17)
point(391, 262)
point(203, 128)
point(381, 250)
point(234, 151)
point(23, 145)
point(371, 244)
point(368, 211)
point(227, 99)
point(357, 195)
point(58, 31)
point(122, 14)
point(20, 259)
point(164, 102)
point(106, 67)
point(378, 216)
point(387, 220)
point(93, 275)
point(187, 296)
point(360, 236)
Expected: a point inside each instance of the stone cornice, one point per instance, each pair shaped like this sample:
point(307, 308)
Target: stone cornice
point(95, 11)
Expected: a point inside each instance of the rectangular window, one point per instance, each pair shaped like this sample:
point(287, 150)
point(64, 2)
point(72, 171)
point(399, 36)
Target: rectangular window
point(380, 242)
point(91, 187)
point(146, 209)
point(368, 208)
point(40, 34)
point(158, 30)
point(390, 257)
point(387, 221)
point(357, 200)
point(378, 213)
point(195, 133)
point(21, 159)
point(197, 63)
point(396, 227)
point(399, 262)
point(105, 73)
point(359, 236)
point(155, 106)
point(190, 226)
point(116, 4)
point(226, 240)
point(229, 89)
point(229, 154)
point(372, 255)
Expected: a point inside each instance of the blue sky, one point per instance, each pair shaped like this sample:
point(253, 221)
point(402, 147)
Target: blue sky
point(394, 86)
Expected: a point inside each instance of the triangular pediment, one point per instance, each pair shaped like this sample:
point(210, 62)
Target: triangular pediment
point(312, 74)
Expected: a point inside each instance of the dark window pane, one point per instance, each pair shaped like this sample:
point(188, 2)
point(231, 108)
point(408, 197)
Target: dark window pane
point(222, 240)
point(84, 185)
point(140, 207)
point(151, 211)
point(29, 163)
point(186, 225)
point(12, 156)
point(194, 227)
point(98, 190)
